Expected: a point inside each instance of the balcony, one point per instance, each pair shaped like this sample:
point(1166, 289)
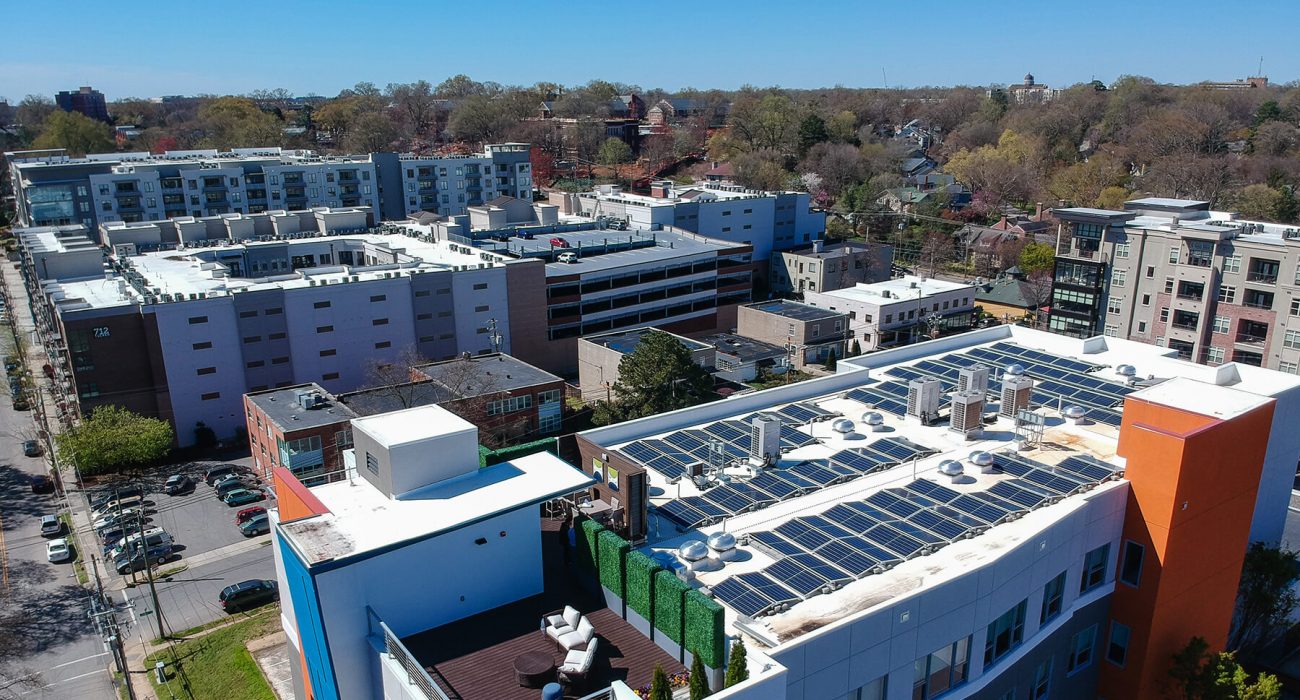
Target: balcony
point(1248, 339)
point(1262, 277)
point(1184, 326)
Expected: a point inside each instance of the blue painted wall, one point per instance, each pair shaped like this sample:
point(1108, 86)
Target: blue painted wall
point(311, 629)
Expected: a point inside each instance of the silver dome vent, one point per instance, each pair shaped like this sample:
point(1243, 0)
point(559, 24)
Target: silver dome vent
point(842, 425)
point(692, 550)
point(951, 467)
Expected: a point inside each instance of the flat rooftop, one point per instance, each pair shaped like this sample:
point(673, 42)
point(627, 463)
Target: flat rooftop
point(485, 374)
point(742, 348)
point(285, 410)
point(395, 397)
point(363, 519)
point(626, 341)
point(650, 247)
point(865, 510)
point(830, 250)
point(904, 288)
point(794, 310)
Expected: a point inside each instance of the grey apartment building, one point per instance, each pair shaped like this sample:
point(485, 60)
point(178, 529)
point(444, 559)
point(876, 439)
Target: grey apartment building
point(1173, 272)
point(823, 267)
point(54, 189)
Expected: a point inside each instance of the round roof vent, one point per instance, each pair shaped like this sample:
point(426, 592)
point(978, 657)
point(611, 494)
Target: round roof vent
point(664, 559)
point(981, 458)
point(1074, 412)
point(950, 467)
point(842, 425)
point(1126, 371)
point(873, 418)
point(1014, 369)
point(722, 541)
point(692, 550)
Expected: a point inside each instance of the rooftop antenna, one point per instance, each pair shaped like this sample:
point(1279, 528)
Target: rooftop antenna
point(884, 77)
point(1260, 72)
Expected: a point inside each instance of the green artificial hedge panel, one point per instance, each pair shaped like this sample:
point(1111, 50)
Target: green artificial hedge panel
point(613, 549)
point(668, 592)
point(585, 542)
point(704, 632)
point(487, 457)
point(640, 584)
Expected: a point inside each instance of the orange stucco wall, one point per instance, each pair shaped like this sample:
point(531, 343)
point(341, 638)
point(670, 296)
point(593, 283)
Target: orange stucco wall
point(1193, 484)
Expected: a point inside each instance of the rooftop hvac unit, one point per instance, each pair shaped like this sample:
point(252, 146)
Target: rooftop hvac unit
point(764, 440)
point(1016, 390)
point(310, 400)
point(973, 378)
point(923, 396)
point(967, 413)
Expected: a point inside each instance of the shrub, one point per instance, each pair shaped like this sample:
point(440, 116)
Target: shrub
point(668, 593)
point(585, 543)
point(704, 623)
point(612, 551)
point(640, 575)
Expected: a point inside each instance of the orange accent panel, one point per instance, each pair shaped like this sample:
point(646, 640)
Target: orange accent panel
point(306, 677)
point(295, 500)
point(1193, 483)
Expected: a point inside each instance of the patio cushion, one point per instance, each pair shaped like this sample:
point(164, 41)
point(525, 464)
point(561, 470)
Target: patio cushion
point(556, 621)
point(577, 662)
point(572, 616)
point(557, 632)
point(579, 637)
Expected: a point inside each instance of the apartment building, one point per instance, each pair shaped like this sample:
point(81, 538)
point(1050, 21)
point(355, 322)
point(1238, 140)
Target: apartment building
point(856, 547)
point(767, 221)
point(52, 188)
point(900, 311)
point(1172, 272)
point(825, 267)
point(85, 100)
point(808, 333)
point(182, 332)
point(600, 355)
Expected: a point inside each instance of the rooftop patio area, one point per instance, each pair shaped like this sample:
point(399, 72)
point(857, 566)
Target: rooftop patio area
point(473, 659)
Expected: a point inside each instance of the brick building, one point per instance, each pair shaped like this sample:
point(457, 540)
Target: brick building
point(301, 428)
point(814, 332)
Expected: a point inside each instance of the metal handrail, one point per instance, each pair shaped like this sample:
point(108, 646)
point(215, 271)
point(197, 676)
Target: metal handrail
point(414, 671)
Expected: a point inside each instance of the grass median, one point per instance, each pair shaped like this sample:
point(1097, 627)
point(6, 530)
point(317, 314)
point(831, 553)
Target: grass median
point(217, 665)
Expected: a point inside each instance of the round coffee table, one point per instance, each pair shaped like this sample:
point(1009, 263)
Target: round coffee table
point(534, 668)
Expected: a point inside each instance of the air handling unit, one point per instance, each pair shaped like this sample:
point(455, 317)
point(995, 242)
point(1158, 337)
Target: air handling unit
point(1017, 388)
point(967, 413)
point(764, 440)
point(973, 378)
point(923, 396)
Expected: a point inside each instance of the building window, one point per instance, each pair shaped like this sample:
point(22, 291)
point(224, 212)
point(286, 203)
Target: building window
point(372, 463)
point(207, 370)
point(276, 336)
point(1232, 263)
point(330, 352)
point(1151, 271)
point(478, 287)
point(875, 690)
point(329, 376)
point(1113, 305)
point(1142, 326)
point(548, 424)
point(203, 346)
point(379, 322)
point(1227, 294)
point(383, 344)
point(1130, 571)
point(1121, 250)
point(252, 339)
point(1169, 285)
point(1112, 330)
point(1295, 307)
point(1081, 645)
point(509, 405)
point(1004, 634)
point(210, 397)
point(1094, 568)
point(279, 360)
point(324, 329)
point(321, 305)
point(273, 312)
point(1173, 255)
point(198, 319)
point(1042, 680)
point(378, 297)
point(1146, 300)
point(1289, 367)
point(1291, 339)
point(1053, 598)
point(548, 396)
point(1117, 277)
point(247, 314)
point(1221, 324)
point(1214, 355)
point(254, 364)
point(1117, 649)
point(1164, 314)
point(942, 670)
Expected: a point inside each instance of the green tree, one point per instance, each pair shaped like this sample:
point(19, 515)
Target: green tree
point(831, 361)
point(737, 669)
point(614, 152)
point(76, 132)
point(1257, 201)
point(658, 376)
point(699, 680)
point(659, 689)
point(812, 131)
point(1036, 257)
point(1265, 599)
point(1113, 198)
point(1197, 674)
point(857, 348)
point(112, 438)
point(233, 122)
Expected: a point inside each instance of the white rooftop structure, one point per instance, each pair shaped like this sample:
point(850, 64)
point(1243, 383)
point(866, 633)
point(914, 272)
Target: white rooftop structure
point(889, 291)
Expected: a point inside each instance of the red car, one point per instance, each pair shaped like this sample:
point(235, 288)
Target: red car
point(559, 243)
point(247, 514)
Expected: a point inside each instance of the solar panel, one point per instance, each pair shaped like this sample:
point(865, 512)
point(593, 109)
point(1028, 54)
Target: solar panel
point(1014, 464)
point(978, 509)
point(685, 441)
point(729, 500)
point(799, 578)
point(726, 432)
point(802, 534)
point(857, 461)
point(850, 519)
point(639, 452)
point(774, 542)
point(830, 527)
point(855, 561)
point(1010, 490)
point(761, 498)
point(998, 502)
point(911, 529)
point(1088, 467)
point(1051, 482)
point(935, 492)
point(823, 568)
point(774, 486)
point(742, 598)
point(817, 472)
point(798, 413)
point(938, 524)
point(792, 437)
point(893, 540)
point(682, 513)
point(797, 480)
point(899, 506)
point(868, 549)
point(870, 510)
point(898, 450)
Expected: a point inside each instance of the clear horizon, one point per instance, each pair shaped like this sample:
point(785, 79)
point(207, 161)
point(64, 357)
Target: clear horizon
point(171, 48)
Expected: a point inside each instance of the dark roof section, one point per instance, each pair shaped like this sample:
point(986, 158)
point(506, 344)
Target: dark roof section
point(385, 399)
point(626, 341)
point(830, 250)
point(284, 409)
point(744, 350)
point(484, 374)
point(794, 310)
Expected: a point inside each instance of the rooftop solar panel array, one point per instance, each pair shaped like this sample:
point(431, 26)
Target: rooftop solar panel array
point(819, 553)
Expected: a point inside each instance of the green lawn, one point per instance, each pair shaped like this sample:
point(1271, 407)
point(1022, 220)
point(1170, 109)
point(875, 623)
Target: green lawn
point(217, 666)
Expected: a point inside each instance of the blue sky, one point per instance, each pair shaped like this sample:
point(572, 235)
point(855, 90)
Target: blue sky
point(152, 48)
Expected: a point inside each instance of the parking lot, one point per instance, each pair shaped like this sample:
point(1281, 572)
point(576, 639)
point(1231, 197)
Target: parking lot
point(206, 543)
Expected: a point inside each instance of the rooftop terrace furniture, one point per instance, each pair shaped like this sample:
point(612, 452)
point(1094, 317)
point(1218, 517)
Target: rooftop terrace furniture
point(577, 663)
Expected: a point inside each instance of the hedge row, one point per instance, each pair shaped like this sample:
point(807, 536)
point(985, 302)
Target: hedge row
point(585, 543)
point(668, 593)
point(612, 550)
point(487, 458)
point(704, 628)
point(640, 584)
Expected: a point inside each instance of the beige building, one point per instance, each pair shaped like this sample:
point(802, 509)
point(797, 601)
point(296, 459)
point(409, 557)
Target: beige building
point(599, 357)
point(812, 333)
point(825, 267)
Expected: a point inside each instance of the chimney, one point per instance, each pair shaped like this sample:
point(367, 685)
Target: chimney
point(1038, 211)
point(817, 246)
point(1002, 222)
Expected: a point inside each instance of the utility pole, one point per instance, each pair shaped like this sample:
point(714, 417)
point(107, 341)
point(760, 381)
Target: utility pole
point(104, 616)
point(494, 336)
point(153, 590)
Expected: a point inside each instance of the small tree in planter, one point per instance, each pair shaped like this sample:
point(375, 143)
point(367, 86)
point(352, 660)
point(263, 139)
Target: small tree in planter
point(699, 681)
point(659, 689)
point(830, 361)
point(737, 669)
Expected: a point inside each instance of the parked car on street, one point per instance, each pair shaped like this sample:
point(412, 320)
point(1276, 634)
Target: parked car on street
point(31, 448)
point(58, 550)
point(142, 558)
point(99, 499)
point(125, 517)
point(51, 526)
point(240, 497)
point(244, 515)
point(42, 484)
point(256, 525)
point(222, 470)
point(232, 483)
point(248, 594)
point(178, 484)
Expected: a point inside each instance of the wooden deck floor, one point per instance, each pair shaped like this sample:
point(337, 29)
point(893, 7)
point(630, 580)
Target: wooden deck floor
point(475, 656)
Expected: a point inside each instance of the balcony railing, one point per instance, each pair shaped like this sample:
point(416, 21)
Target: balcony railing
point(415, 673)
point(1189, 297)
point(1264, 277)
point(1184, 326)
point(1257, 304)
point(1251, 339)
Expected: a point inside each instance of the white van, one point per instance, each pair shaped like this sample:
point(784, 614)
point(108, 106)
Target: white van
point(153, 537)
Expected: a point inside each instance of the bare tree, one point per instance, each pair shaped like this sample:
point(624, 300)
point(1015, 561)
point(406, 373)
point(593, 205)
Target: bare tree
point(472, 387)
point(1038, 291)
point(936, 252)
point(395, 381)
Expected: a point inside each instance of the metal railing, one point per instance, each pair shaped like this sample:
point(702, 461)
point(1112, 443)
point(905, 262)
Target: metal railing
point(1251, 339)
point(1184, 326)
point(604, 694)
point(415, 673)
point(1264, 277)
